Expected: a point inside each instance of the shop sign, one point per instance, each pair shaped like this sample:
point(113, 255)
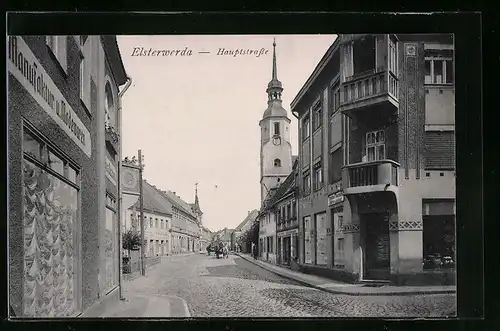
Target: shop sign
point(110, 170)
point(130, 179)
point(288, 233)
point(26, 68)
point(335, 198)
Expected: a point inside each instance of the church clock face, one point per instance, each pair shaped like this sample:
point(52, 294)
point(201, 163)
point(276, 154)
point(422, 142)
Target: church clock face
point(277, 141)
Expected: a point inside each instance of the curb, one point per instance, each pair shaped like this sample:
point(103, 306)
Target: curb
point(347, 292)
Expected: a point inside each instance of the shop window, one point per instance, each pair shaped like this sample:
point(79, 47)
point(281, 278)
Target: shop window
point(439, 151)
point(306, 183)
point(51, 234)
point(318, 176)
point(321, 233)
point(439, 66)
point(375, 145)
point(277, 162)
point(363, 55)
point(341, 248)
point(308, 251)
point(56, 163)
point(110, 247)
point(305, 127)
point(318, 116)
point(335, 166)
point(58, 47)
point(438, 218)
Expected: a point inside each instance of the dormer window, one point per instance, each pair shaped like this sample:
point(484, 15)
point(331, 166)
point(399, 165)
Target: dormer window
point(277, 162)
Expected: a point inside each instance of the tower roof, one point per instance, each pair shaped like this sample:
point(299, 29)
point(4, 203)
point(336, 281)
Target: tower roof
point(274, 89)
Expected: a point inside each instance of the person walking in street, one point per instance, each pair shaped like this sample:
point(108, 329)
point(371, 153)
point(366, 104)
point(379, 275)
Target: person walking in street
point(254, 251)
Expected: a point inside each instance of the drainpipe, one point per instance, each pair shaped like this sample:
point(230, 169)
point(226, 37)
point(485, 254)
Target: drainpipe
point(119, 209)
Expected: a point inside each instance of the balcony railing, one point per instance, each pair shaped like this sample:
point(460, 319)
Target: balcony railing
point(369, 86)
point(372, 173)
point(286, 224)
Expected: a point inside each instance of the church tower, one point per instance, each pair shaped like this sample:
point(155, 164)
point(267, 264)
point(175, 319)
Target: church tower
point(275, 146)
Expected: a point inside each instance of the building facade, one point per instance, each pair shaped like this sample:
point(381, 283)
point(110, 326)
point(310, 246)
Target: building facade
point(287, 225)
point(377, 180)
point(185, 229)
point(157, 213)
point(241, 229)
point(64, 151)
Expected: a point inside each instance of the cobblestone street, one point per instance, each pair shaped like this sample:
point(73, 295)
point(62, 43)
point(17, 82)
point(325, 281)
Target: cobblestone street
point(234, 287)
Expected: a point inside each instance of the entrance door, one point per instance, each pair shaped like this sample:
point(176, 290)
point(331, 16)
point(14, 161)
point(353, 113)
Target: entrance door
point(286, 250)
point(375, 232)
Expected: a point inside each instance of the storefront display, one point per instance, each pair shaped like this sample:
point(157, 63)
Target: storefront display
point(308, 249)
point(321, 233)
point(50, 237)
point(110, 248)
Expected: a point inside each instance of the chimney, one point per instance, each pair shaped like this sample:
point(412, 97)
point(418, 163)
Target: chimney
point(174, 193)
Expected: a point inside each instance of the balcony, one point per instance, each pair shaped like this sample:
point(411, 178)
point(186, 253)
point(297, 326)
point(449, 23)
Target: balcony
point(112, 137)
point(286, 224)
point(369, 89)
point(374, 176)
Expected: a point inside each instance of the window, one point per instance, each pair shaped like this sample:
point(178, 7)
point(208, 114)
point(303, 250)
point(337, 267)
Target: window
point(335, 166)
point(85, 65)
point(276, 128)
point(439, 66)
point(109, 106)
point(318, 116)
point(363, 55)
point(439, 150)
point(335, 99)
point(277, 163)
point(308, 251)
point(150, 222)
point(49, 237)
point(306, 183)
point(393, 57)
point(288, 212)
point(375, 145)
point(340, 248)
point(321, 234)
point(156, 223)
point(58, 46)
point(318, 176)
point(110, 243)
point(305, 127)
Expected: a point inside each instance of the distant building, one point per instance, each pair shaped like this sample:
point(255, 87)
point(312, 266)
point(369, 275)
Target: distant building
point(224, 236)
point(241, 229)
point(157, 220)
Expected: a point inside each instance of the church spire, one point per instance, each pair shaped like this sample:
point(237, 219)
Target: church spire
point(275, 70)
point(274, 88)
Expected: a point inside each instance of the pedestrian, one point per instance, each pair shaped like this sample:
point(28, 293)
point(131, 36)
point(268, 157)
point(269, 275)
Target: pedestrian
point(254, 251)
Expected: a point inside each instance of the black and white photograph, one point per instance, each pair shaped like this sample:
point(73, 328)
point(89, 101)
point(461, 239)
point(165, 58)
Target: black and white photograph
point(231, 175)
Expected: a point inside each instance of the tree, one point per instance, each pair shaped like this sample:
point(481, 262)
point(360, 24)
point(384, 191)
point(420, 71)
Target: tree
point(251, 236)
point(131, 239)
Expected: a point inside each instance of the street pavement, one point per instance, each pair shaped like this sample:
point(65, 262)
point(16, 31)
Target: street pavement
point(234, 287)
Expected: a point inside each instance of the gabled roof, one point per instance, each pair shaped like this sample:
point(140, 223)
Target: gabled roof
point(153, 200)
point(250, 217)
point(178, 202)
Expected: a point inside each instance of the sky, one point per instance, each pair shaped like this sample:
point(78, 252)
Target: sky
point(196, 118)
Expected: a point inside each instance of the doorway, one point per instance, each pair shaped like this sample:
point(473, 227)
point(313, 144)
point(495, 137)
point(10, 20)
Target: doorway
point(375, 238)
point(286, 250)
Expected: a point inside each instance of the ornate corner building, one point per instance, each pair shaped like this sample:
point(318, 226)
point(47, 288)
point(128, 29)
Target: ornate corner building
point(377, 160)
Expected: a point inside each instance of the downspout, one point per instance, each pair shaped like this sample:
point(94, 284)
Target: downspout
point(119, 209)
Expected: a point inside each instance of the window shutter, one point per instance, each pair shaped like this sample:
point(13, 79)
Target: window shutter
point(439, 150)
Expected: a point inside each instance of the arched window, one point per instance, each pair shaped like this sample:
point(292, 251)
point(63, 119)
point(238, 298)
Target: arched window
point(109, 105)
point(277, 162)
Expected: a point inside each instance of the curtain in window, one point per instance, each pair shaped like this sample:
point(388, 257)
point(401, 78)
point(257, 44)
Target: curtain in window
point(50, 215)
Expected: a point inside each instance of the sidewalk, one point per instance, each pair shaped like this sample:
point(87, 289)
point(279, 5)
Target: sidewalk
point(141, 301)
point(337, 287)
